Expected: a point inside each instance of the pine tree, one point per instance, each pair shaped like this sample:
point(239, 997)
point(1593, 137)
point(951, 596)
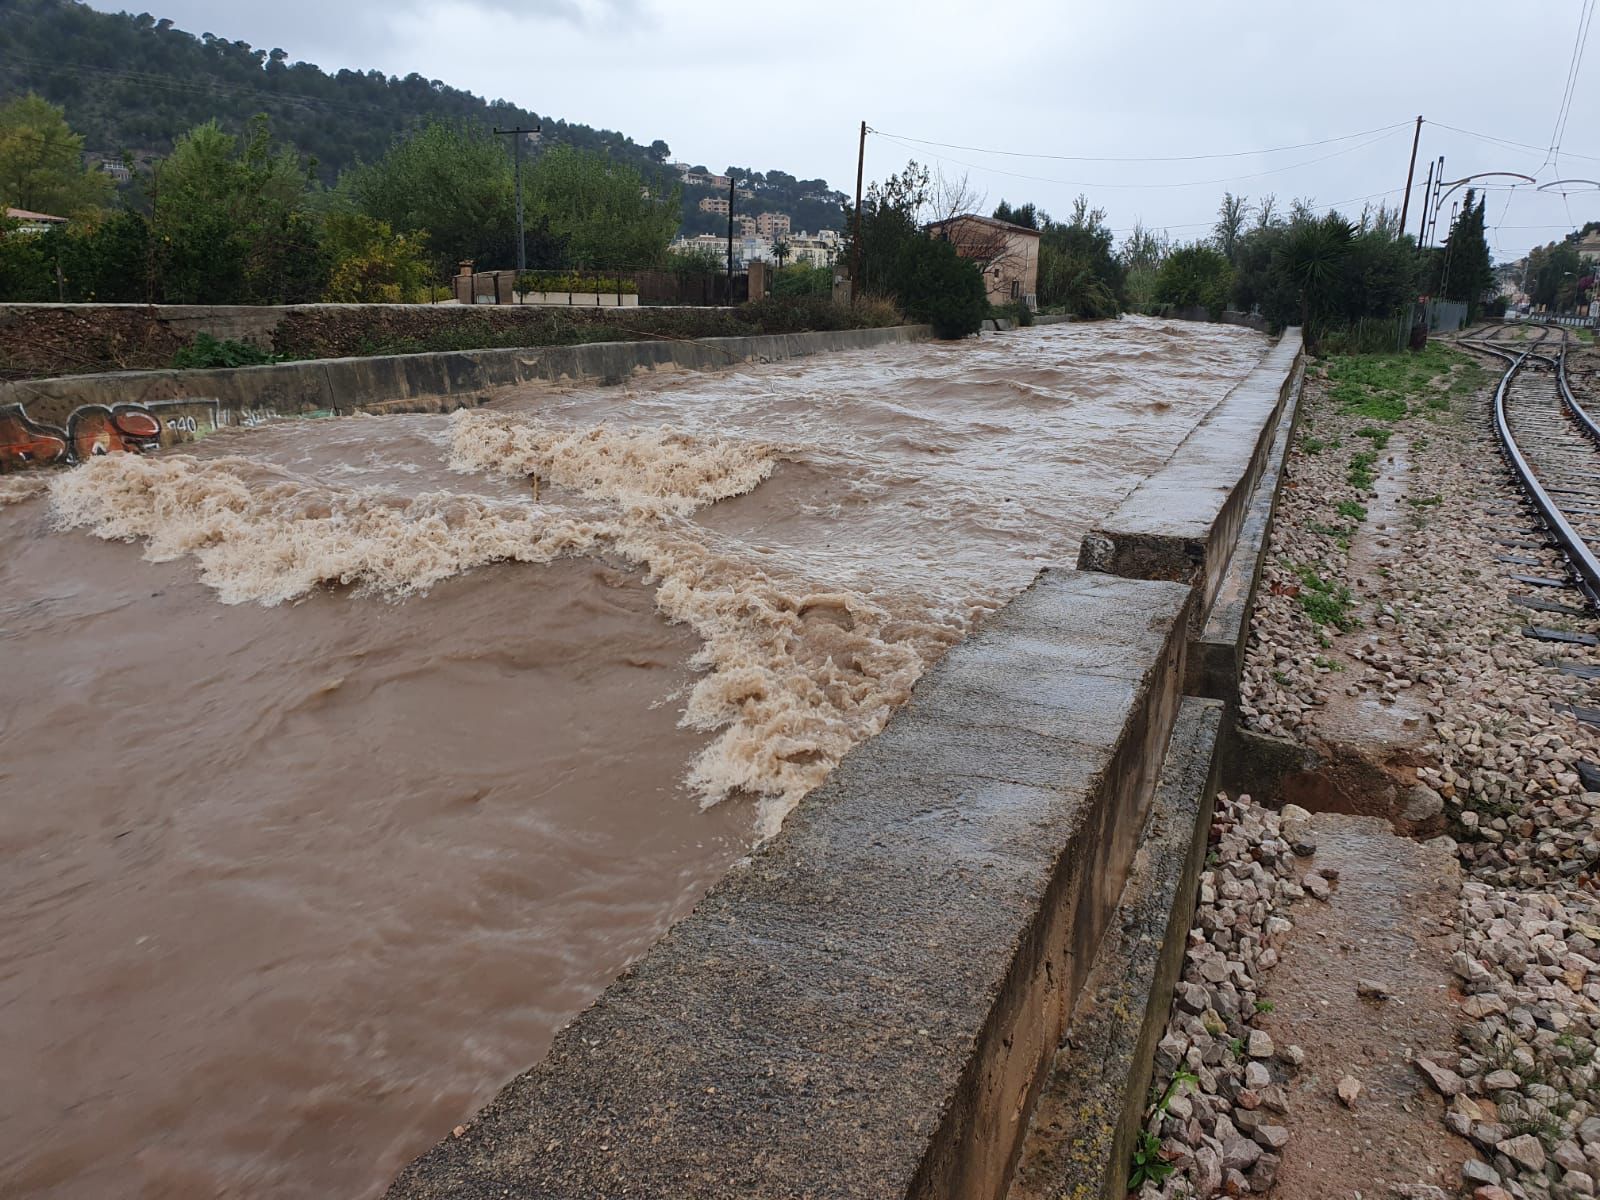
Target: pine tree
point(1469, 276)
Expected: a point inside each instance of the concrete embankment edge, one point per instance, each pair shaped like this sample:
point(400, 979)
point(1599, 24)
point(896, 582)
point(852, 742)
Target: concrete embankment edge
point(1089, 1111)
point(402, 382)
point(1216, 656)
point(868, 1006)
point(1182, 521)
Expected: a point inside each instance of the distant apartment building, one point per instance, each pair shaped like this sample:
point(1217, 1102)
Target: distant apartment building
point(746, 248)
point(814, 250)
point(1589, 247)
point(773, 225)
point(714, 204)
point(1007, 253)
point(747, 225)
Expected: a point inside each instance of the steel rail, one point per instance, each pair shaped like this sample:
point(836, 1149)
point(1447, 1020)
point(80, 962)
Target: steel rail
point(1579, 557)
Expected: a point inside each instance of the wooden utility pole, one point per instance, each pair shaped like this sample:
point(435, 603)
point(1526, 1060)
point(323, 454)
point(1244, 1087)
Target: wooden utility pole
point(1405, 204)
point(516, 136)
point(855, 238)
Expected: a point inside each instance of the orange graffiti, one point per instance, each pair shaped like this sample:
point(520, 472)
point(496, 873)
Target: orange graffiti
point(100, 429)
point(25, 442)
point(95, 429)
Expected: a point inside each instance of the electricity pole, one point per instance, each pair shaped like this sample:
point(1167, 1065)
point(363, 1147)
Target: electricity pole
point(1405, 205)
point(1433, 205)
point(855, 239)
point(732, 181)
point(1427, 195)
point(516, 136)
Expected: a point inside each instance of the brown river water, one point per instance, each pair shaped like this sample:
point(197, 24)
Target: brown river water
point(338, 768)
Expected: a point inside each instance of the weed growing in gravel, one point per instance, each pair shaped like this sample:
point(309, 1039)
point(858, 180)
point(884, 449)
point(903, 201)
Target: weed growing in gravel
point(1325, 602)
point(1312, 445)
point(1351, 510)
point(1367, 402)
point(1424, 501)
point(1148, 1165)
point(1361, 476)
point(1378, 437)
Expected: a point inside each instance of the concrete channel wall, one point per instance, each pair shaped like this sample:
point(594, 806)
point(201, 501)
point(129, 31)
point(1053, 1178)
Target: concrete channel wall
point(867, 1008)
point(1182, 521)
point(65, 419)
point(946, 976)
point(253, 324)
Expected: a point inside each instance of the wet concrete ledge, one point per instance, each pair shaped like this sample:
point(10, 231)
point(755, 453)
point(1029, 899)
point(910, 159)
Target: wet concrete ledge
point(867, 1007)
point(1216, 656)
point(1081, 1140)
point(1182, 521)
point(418, 382)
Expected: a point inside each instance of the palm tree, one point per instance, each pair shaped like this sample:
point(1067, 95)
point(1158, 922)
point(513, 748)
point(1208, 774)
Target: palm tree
point(781, 252)
point(1311, 254)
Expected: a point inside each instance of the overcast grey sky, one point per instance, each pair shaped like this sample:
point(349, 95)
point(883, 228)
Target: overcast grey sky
point(785, 86)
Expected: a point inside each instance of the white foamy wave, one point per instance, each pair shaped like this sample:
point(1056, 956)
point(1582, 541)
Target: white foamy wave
point(793, 678)
point(14, 489)
point(261, 535)
point(651, 470)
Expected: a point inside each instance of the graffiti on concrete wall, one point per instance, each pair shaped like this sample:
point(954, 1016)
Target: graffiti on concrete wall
point(93, 429)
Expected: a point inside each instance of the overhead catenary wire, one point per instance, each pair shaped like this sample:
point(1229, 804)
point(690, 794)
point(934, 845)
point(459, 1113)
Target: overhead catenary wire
point(1580, 40)
point(1154, 158)
point(1151, 186)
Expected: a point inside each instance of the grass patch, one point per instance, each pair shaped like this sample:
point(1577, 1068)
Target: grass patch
point(1424, 501)
point(1312, 445)
point(1378, 437)
point(1351, 510)
point(1326, 602)
point(1385, 387)
point(1361, 475)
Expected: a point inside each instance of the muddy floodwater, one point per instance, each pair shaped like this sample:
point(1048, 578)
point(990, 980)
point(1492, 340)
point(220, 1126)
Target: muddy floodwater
point(343, 761)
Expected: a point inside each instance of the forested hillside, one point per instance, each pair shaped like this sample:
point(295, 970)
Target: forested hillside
point(135, 83)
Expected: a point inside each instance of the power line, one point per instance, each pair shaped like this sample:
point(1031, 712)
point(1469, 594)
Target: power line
point(1585, 18)
point(1500, 141)
point(1147, 186)
point(1343, 137)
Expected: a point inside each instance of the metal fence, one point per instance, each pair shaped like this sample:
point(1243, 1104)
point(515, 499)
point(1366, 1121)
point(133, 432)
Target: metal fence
point(1446, 316)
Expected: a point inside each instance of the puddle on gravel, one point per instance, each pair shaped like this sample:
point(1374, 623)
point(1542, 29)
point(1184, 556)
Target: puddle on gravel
point(1390, 921)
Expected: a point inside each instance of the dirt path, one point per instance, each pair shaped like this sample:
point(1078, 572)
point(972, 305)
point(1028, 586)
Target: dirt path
point(1392, 1135)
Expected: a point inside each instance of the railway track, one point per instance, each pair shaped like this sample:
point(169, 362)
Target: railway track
point(1552, 444)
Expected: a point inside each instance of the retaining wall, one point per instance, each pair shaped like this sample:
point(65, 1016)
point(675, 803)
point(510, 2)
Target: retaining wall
point(866, 1009)
point(254, 324)
point(871, 1006)
point(1182, 521)
point(67, 418)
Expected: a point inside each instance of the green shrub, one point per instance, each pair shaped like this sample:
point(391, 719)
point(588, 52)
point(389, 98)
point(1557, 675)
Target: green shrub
point(372, 264)
point(802, 279)
point(936, 285)
point(1196, 276)
point(573, 281)
point(206, 352)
